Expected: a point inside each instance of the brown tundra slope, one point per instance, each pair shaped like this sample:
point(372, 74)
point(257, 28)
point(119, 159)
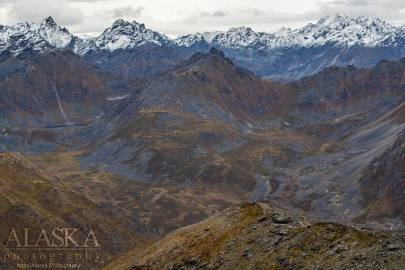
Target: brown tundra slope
point(30, 199)
point(258, 236)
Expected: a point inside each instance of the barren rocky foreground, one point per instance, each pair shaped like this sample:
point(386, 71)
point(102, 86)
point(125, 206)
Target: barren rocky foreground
point(258, 236)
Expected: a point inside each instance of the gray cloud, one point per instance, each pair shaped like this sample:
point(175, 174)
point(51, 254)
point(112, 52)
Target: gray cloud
point(127, 12)
point(217, 13)
point(268, 20)
point(258, 19)
point(12, 1)
point(66, 14)
point(98, 21)
point(391, 10)
point(261, 15)
point(255, 12)
point(37, 10)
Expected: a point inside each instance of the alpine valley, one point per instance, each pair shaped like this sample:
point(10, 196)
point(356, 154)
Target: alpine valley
point(286, 150)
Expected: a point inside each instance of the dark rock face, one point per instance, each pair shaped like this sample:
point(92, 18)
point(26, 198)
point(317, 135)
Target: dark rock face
point(383, 182)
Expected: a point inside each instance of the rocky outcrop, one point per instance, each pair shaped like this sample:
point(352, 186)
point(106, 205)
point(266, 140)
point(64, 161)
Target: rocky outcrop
point(258, 236)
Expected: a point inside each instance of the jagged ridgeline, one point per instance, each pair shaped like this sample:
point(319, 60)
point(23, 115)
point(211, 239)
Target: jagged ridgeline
point(131, 49)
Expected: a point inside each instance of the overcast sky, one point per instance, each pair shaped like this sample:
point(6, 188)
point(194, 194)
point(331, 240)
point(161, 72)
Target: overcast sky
point(176, 17)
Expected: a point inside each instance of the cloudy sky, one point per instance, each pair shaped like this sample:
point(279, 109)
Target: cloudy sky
point(176, 17)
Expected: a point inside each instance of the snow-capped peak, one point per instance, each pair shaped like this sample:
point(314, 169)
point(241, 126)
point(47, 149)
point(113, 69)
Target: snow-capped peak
point(54, 34)
point(125, 27)
point(339, 30)
point(48, 35)
point(124, 35)
point(42, 36)
point(237, 37)
point(196, 39)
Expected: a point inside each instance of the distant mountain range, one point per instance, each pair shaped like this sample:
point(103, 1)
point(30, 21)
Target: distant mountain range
point(285, 55)
point(339, 30)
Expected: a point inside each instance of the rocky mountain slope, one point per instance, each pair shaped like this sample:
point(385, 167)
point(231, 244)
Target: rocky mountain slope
point(382, 181)
point(257, 236)
point(173, 147)
point(51, 89)
point(303, 145)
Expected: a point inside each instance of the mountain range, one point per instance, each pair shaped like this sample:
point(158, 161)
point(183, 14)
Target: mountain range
point(138, 136)
point(283, 142)
point(334, 40)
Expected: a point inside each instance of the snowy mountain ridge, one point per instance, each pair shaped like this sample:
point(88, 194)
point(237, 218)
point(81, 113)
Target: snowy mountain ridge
point(339, 30)
point(123, 35)
point(45, 35)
